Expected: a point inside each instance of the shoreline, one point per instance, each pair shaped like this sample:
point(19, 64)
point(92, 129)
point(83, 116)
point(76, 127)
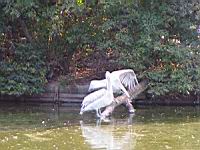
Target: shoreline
point(74, 94)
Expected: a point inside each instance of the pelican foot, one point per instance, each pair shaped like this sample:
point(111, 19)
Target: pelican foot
point(98, 116)
point(106, 120)
point(131, 111)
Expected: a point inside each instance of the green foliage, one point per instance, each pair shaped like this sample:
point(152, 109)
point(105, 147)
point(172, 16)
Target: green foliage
point(157, 38)
point(162, 49)
point(23, 72)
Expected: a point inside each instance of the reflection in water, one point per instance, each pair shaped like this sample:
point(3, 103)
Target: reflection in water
point(112, 136)
point(54, 127)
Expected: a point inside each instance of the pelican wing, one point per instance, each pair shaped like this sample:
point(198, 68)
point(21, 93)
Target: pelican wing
point(128, 78)
point(103, 101)
point(97, 84)
point(93, 97)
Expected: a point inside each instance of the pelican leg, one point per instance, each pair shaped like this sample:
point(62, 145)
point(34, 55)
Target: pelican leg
point(128, 101)
point(97, 113)
point(99, 110)
point(98, 122)
point(136, 81)
point(134, 84)
point(123, 89)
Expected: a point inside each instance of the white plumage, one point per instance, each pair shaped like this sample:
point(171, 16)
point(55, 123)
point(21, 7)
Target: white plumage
point(92, 97)
point(119, 80)
point(99, 99)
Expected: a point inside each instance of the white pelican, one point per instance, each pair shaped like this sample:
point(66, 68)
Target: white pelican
point(99, 99)
point(119, 79)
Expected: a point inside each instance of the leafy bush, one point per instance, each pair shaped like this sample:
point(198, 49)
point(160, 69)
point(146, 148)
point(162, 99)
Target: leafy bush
point(164, 48)
point(22, 72)
point(157, 38)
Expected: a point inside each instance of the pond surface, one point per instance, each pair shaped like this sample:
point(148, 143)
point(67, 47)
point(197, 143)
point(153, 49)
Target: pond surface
point(52, 127)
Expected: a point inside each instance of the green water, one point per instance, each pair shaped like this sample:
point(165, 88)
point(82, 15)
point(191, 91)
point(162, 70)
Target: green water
point(52, 127)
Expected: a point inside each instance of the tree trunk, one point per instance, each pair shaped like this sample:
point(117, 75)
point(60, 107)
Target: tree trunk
point(123, 99)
